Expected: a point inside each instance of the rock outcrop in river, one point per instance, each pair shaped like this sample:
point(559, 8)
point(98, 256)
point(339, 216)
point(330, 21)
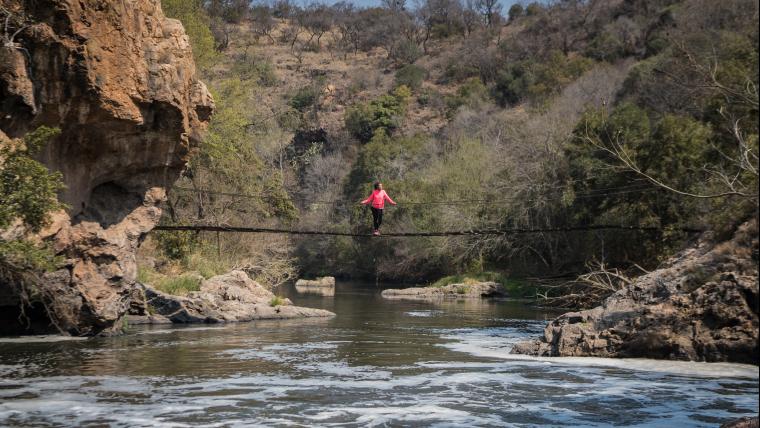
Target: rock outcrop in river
point(118, 79)
point(231, 297)
point(476, 290)
point(702, 305)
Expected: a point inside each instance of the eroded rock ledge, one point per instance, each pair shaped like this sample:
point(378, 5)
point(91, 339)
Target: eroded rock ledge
point(702, 306)
point(469, 291)
point(118, 79)
point(232, 297)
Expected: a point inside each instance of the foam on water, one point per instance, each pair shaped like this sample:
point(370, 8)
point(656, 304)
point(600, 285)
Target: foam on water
point(379, 369)
point(498, 343)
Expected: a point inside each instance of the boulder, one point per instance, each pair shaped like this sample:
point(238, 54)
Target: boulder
point(701, 306)
point(749, 422)
point(325, 281)
point(468, 291)
point(118, 79)
point(232, 297)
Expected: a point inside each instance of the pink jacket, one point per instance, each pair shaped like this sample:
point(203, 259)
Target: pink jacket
point(377, 199)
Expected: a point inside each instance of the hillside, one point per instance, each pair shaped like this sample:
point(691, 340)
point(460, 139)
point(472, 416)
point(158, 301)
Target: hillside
point(506, 124)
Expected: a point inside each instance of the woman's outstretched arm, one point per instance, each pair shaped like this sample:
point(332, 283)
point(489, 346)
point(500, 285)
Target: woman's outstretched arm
point(369, 198)
point(388, 198)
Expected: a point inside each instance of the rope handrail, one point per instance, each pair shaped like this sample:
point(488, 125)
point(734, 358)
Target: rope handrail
point(506, 231)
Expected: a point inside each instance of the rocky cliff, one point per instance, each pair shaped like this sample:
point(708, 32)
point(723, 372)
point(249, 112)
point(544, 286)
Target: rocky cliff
point(702, 306)
point(118, 79)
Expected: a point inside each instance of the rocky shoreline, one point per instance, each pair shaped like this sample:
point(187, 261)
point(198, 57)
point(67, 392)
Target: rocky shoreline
point(232, 297)
point(702, 305)
point(451, 291)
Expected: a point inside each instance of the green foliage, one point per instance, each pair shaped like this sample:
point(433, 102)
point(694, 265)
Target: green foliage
point(229, 158)
point(533, 9)
point(538, 81)
point(514, 287)
point(671, 149)
point(470, 93)
point(25, 256)
point(606, 46)
point(515, 11)
point(254, 68)
point(411, 76)
point(381, 158)
point(178, 285)
point(28, 191)
point(175, 245)
point(384, 113)
point(276, 301)
point(305, 98)
point(197, 26)
point(406, 52)
point(28, 194)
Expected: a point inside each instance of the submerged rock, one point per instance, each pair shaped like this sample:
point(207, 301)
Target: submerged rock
point(118, 79)
point(231, 297)
point(702, 306)
point(325, 281)
point(476, 291)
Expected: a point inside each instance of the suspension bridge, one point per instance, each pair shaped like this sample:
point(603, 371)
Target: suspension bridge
point(636, 187)
point(473, 232)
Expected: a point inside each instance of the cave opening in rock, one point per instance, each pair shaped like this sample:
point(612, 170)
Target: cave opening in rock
point(108, 204)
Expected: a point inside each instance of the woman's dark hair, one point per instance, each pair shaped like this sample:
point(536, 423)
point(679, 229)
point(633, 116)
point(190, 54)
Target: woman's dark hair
point(377, 185)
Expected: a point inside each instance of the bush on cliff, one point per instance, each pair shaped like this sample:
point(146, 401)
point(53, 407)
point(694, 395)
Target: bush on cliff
point(28, 194)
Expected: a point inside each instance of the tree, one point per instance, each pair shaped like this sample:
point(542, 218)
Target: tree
point(197, 26)
point(262, 22)
point(28, 194)
point(515, 11)
point(394, 5)
point(316, 19)
point(489, 9)
point(533, 9)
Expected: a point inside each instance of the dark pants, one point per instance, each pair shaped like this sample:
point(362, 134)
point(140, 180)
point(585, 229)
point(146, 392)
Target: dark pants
point(377, 217)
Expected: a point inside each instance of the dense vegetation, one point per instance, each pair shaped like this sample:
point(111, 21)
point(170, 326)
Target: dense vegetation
point(28, 195)
point(569, 113)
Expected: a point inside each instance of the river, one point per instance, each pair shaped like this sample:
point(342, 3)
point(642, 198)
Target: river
point(377, 363)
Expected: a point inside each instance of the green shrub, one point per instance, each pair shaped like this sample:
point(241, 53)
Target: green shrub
point(197, 26)
point(385, 112)
point(276, 301)
point(251, 67)
point(178, 285)
point(538, 81)
point(514, 287)
point(28, 192)
point(533, 9)
point(406, 52)
point(175, 245)
point(304, 98)
point(515, 11)
point(411, 76)
point(472, 92)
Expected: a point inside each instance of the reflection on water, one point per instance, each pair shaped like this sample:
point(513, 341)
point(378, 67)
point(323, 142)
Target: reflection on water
point(378, 362)
point(322, 291)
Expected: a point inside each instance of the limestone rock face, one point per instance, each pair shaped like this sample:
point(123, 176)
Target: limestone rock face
point(702, 306)
point(477, 291)
point(231, 297)
point(118, 79)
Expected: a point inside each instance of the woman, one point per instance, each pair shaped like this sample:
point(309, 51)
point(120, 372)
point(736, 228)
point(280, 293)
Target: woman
point(377, 202)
